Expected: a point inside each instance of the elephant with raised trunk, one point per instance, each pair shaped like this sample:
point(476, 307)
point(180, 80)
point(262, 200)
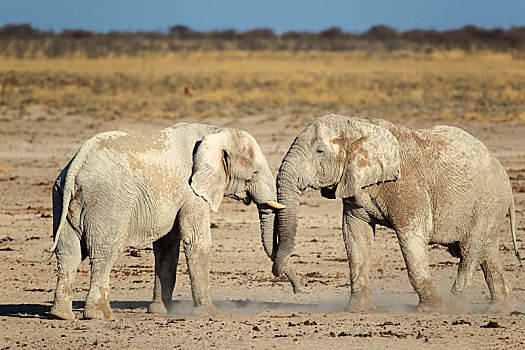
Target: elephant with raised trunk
point(130, 190)
point(439, 185)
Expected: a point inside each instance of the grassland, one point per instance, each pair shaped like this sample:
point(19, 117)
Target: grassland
point(445, 85)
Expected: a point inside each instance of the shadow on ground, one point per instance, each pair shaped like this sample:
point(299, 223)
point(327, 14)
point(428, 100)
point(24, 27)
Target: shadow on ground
point(42, 310)
point(184, 307)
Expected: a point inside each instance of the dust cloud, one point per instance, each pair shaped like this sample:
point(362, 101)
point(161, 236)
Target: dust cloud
point(384, 303)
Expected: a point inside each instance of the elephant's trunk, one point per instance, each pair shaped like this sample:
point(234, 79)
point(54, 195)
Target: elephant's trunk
point(288, 193)
point(269, 241)
point(266, 218)
point(262, 194)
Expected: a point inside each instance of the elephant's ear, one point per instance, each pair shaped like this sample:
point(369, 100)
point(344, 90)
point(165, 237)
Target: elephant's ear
point(372, 158)
point(211, 169)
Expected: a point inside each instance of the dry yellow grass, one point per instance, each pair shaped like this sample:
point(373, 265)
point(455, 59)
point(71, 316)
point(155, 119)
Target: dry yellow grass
point(397, 85)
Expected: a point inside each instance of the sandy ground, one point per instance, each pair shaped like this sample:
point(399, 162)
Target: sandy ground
point(259, 311)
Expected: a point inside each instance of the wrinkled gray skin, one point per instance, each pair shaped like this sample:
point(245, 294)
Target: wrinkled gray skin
point(439, 185)
point(130, 190)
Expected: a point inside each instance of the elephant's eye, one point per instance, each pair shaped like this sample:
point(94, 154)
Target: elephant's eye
point(320, 151)
point(254, 174)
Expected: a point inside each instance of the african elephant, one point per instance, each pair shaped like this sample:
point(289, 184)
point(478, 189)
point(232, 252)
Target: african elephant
point(130, 190)
point(439, 185)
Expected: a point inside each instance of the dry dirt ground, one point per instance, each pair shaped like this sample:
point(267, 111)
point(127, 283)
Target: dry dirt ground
point(259, 311)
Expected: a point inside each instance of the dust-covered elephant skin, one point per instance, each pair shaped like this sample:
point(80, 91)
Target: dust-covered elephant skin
point(439, 185)
point(130, 190)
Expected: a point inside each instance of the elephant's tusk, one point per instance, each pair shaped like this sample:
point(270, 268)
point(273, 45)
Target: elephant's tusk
point(276, 205)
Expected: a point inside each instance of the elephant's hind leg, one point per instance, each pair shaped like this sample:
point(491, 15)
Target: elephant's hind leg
point(461, 286)
point(97, 300)
point(501, 300)
point(166, 250)
point(69, 256)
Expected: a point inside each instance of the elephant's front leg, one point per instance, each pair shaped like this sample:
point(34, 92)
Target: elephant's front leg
point(414, 245)
point(194, 221)
point(166, 250)
point(357, 235)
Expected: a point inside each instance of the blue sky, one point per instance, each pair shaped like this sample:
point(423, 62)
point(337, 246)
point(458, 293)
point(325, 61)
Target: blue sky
point(279, 15)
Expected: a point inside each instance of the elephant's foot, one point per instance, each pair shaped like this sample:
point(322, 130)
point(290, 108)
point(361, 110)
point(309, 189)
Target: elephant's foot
point(429, 300)
point(360, 303)
point(503, 305)
point(206, 311)
point(157, 307)
point(97, 304)
point(100, 311)
point(433, 303)
point(61, 313)
point(63, 301)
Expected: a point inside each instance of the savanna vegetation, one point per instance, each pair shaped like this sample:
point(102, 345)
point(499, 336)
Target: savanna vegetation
point(22, 40)
point(181, 74)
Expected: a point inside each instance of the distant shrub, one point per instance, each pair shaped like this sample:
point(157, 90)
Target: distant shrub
point(22, 40)
point(76, 33)
point(228, 34)
point(421, 36)
point(380, 32)
point(332, 33)
point(515, 36)
point(18, 31)
point(293, 35)
point(180, 31)
point(255, 34)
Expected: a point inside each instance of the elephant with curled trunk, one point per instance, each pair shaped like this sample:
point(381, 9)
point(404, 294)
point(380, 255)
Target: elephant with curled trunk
point(130, 190)
point(439, 185)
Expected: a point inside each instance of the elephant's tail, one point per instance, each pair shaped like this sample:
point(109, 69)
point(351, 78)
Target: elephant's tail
point(512, 215)
point(66, 198)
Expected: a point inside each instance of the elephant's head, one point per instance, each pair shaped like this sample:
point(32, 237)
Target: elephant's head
point(230, 163)
point(337, 155)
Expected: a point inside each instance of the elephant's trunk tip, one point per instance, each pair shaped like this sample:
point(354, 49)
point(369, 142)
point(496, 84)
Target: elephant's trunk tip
point(294, 280)
point(277, 270)
point(290, 273)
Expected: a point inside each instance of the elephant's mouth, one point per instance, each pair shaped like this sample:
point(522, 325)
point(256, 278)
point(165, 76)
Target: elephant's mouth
point(246, 198)
point(328, 192)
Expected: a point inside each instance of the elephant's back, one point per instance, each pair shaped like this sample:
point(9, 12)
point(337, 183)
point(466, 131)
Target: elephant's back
point(456, 138)
point(456, 151)
point(158, 162)
point(186, 135)
point(469, 187)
